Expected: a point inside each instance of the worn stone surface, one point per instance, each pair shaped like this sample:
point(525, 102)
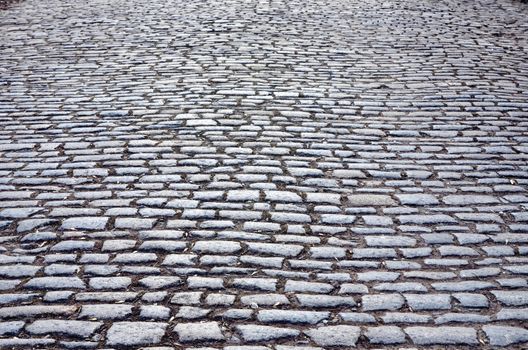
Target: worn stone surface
point(385, 335)
point(81, 329)
point(442, 335)
point(105, 311)
point(334, 335)
point(198, 332)
point(239, 175)
point(256, 333)
point(11, 327)
point(505, 335)
point(135, 333)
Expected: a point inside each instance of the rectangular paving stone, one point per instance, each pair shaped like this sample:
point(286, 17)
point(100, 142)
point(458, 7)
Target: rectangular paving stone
point(442, 335)
point(292, 316)
point(81, 329)
point(27, 311)
point(365, 200)
point(128, 333)
point(85, 223)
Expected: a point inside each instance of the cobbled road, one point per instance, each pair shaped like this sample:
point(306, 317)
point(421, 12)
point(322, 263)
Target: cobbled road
point(252, 175)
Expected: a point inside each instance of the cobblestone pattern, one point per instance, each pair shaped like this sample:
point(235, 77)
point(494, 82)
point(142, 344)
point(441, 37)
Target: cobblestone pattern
point(247, 175)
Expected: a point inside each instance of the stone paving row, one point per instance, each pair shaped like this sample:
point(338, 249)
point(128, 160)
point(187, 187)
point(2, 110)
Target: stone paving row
point(274, 174)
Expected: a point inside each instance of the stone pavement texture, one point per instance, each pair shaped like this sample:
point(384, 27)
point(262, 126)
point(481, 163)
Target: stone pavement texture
point(250, 175)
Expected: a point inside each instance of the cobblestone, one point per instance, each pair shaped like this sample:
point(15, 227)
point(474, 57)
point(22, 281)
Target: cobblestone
point(334, 335)
point(442, 335)
point(74, 328)
point(11, 327)
point(382, 302)
point(55, 283)
point(256, 333)
point(135, 333)
point(198, 332)
point(292, 316)
point(505, 335)
point(28, 311)
point(385, 335)
point(105, 311)
point(432, 302)
point(291, 175)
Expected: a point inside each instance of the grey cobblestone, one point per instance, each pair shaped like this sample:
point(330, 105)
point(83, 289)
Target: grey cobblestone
point(159, 282)
point(442, 335)
point(310, 300)
point(385, 335)
point(11, 327)
point(382, 302)
point(505, 335)
point(311, 287)
point(135, 333)
point(191, 313)
point(27, 311)
point(292, 316)
point(55, 283)
point(198, 332)
point(264, 299)
point(32, 342)
point(265, 284)
point(110, 282)
point(291, 175)
point(417, 199)
point(85, 223)
point(74, 328)
point(471, 299)
point(406, 317)
point(105, 311)
point(257, 333)
point(511, 298)
point(432, 302)
point(334, 335)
